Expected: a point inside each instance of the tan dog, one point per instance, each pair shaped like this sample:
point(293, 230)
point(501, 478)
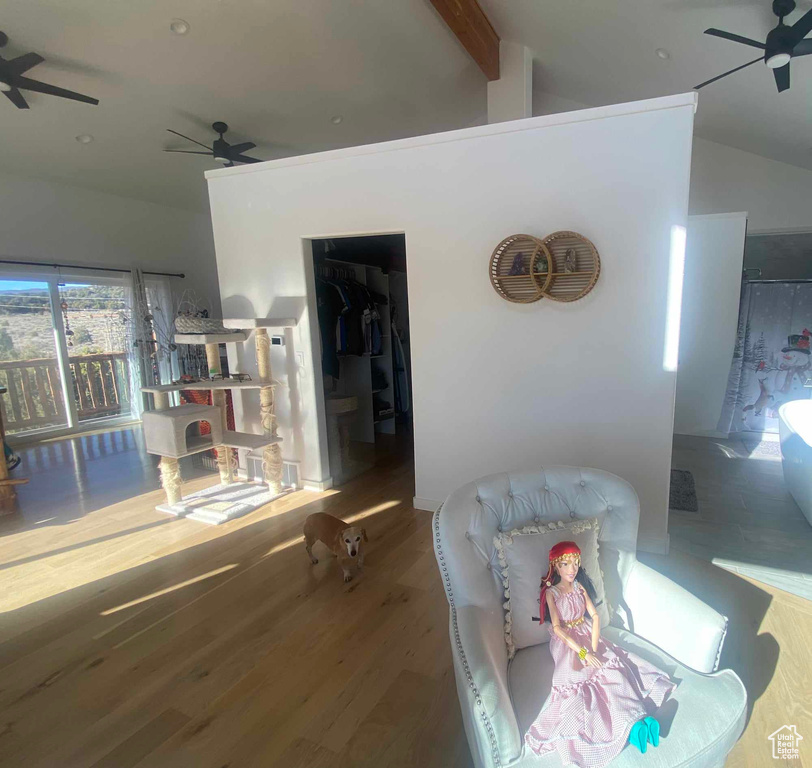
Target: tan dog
point(343, 540)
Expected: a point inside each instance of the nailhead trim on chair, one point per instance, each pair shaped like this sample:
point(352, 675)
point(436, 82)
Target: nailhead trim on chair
point(486, 722)
point(721, 645)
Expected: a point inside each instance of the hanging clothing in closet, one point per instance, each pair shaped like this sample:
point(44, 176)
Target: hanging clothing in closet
point(349, 321)
point(401, 381)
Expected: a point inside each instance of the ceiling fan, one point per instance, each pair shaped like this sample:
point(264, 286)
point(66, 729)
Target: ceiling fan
point(783, 44)
point(12, 80)
point(221, 150)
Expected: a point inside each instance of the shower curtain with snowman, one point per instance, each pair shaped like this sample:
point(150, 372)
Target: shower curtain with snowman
point(772, 359)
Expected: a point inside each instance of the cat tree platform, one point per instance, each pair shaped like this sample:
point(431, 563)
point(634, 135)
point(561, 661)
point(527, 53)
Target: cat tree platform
point(209, 338)
point(251, 323)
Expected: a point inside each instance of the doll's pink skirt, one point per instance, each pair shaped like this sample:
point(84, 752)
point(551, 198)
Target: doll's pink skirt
point(589, 712)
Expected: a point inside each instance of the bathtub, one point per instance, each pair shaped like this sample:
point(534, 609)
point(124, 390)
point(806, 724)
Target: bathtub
point(795, 431)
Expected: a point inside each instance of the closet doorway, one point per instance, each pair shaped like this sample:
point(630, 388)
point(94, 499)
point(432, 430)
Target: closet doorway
point(362, 300)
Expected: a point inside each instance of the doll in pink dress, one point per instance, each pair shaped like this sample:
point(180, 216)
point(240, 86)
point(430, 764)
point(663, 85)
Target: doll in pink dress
point(602, 696)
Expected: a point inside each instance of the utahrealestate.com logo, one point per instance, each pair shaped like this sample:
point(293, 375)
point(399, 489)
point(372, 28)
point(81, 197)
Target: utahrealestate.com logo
point(786, 743)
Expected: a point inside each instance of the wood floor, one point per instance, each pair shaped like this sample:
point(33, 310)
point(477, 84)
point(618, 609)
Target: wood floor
point(747, 521)
point(131, 639)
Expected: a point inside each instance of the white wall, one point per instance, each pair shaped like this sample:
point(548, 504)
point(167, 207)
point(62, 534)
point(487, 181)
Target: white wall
point(776, 196)
point(497, 386)
point(710, 314)
point(45, 221)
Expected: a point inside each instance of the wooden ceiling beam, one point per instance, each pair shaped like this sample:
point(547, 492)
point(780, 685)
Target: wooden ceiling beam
point(471, 26)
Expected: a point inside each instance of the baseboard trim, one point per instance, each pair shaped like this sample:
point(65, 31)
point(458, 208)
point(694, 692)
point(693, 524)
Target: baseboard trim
point(712, 433)
point(428, 505)
point(317, 486)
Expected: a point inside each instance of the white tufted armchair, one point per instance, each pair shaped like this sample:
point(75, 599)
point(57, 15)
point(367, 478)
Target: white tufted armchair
point(653, 617)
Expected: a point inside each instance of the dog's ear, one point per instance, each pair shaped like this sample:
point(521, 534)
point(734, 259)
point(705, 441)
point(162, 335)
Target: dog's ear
point(364, 534)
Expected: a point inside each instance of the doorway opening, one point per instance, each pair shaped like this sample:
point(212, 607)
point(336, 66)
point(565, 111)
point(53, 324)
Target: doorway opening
point(363, 310)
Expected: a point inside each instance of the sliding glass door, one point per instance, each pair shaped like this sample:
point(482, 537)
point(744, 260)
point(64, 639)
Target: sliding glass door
point(96, 323)
point(30, 360)
point(76, 346)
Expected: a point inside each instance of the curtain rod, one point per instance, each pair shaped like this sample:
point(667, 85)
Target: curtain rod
point(80, 266)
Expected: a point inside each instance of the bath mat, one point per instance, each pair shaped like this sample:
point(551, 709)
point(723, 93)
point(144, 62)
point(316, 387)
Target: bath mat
point(682, 495)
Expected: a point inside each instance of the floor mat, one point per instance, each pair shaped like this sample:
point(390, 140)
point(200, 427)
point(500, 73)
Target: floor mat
point(682, 494)
point(764, 449)
point(222, 502)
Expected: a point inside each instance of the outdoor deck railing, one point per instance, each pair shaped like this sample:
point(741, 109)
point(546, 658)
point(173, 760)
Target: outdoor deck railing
point(34, 398)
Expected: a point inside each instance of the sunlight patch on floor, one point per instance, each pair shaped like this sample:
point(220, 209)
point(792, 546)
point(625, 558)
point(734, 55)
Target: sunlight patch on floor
point(373, 510)
point(167, 590)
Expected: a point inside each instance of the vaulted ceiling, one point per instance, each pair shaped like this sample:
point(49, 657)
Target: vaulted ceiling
point(278, 73)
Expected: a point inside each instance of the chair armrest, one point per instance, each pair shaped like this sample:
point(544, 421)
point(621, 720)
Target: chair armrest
point(481, 668)
point(673, 619)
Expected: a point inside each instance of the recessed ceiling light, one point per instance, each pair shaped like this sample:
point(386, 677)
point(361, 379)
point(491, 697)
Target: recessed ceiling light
point(663, 54)
point(336, 119)
point(84, 138)
point(179, 26)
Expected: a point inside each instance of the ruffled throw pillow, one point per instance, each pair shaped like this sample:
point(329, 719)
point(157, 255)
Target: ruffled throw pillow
point(524, 558)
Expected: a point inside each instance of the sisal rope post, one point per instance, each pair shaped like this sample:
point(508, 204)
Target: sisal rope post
point(171, 479)
point(160, 401)
point(272, 455)
point(218, 398)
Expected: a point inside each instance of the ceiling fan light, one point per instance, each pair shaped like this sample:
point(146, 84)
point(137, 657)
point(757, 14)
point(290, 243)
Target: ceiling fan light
point(778, 60)
point(221, 159)
point(4, 87)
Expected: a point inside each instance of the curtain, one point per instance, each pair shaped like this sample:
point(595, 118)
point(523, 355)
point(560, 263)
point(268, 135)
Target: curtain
point(138, 366)
point(161, 309)
point(152, 352)
point(771, 357)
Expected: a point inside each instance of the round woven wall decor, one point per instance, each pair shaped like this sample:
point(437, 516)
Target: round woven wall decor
point(576, 266)
point(520, 269)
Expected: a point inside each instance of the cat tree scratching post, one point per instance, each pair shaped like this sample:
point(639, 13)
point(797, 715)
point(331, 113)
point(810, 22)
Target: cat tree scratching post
point(165, 430)
point(272, 454)
point(171, 479)
point(218, 399)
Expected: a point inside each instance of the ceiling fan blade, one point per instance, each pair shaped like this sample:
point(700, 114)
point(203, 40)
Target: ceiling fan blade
point(719, 77)
point(24, 63)
point(194, 141)
point(782, 77)
point(245, 159)
point(804, 48)
point(735, 38)
point(238, 149)
point(16, 98)
point(51, 90)
point(190, 152)
point(802, 27)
